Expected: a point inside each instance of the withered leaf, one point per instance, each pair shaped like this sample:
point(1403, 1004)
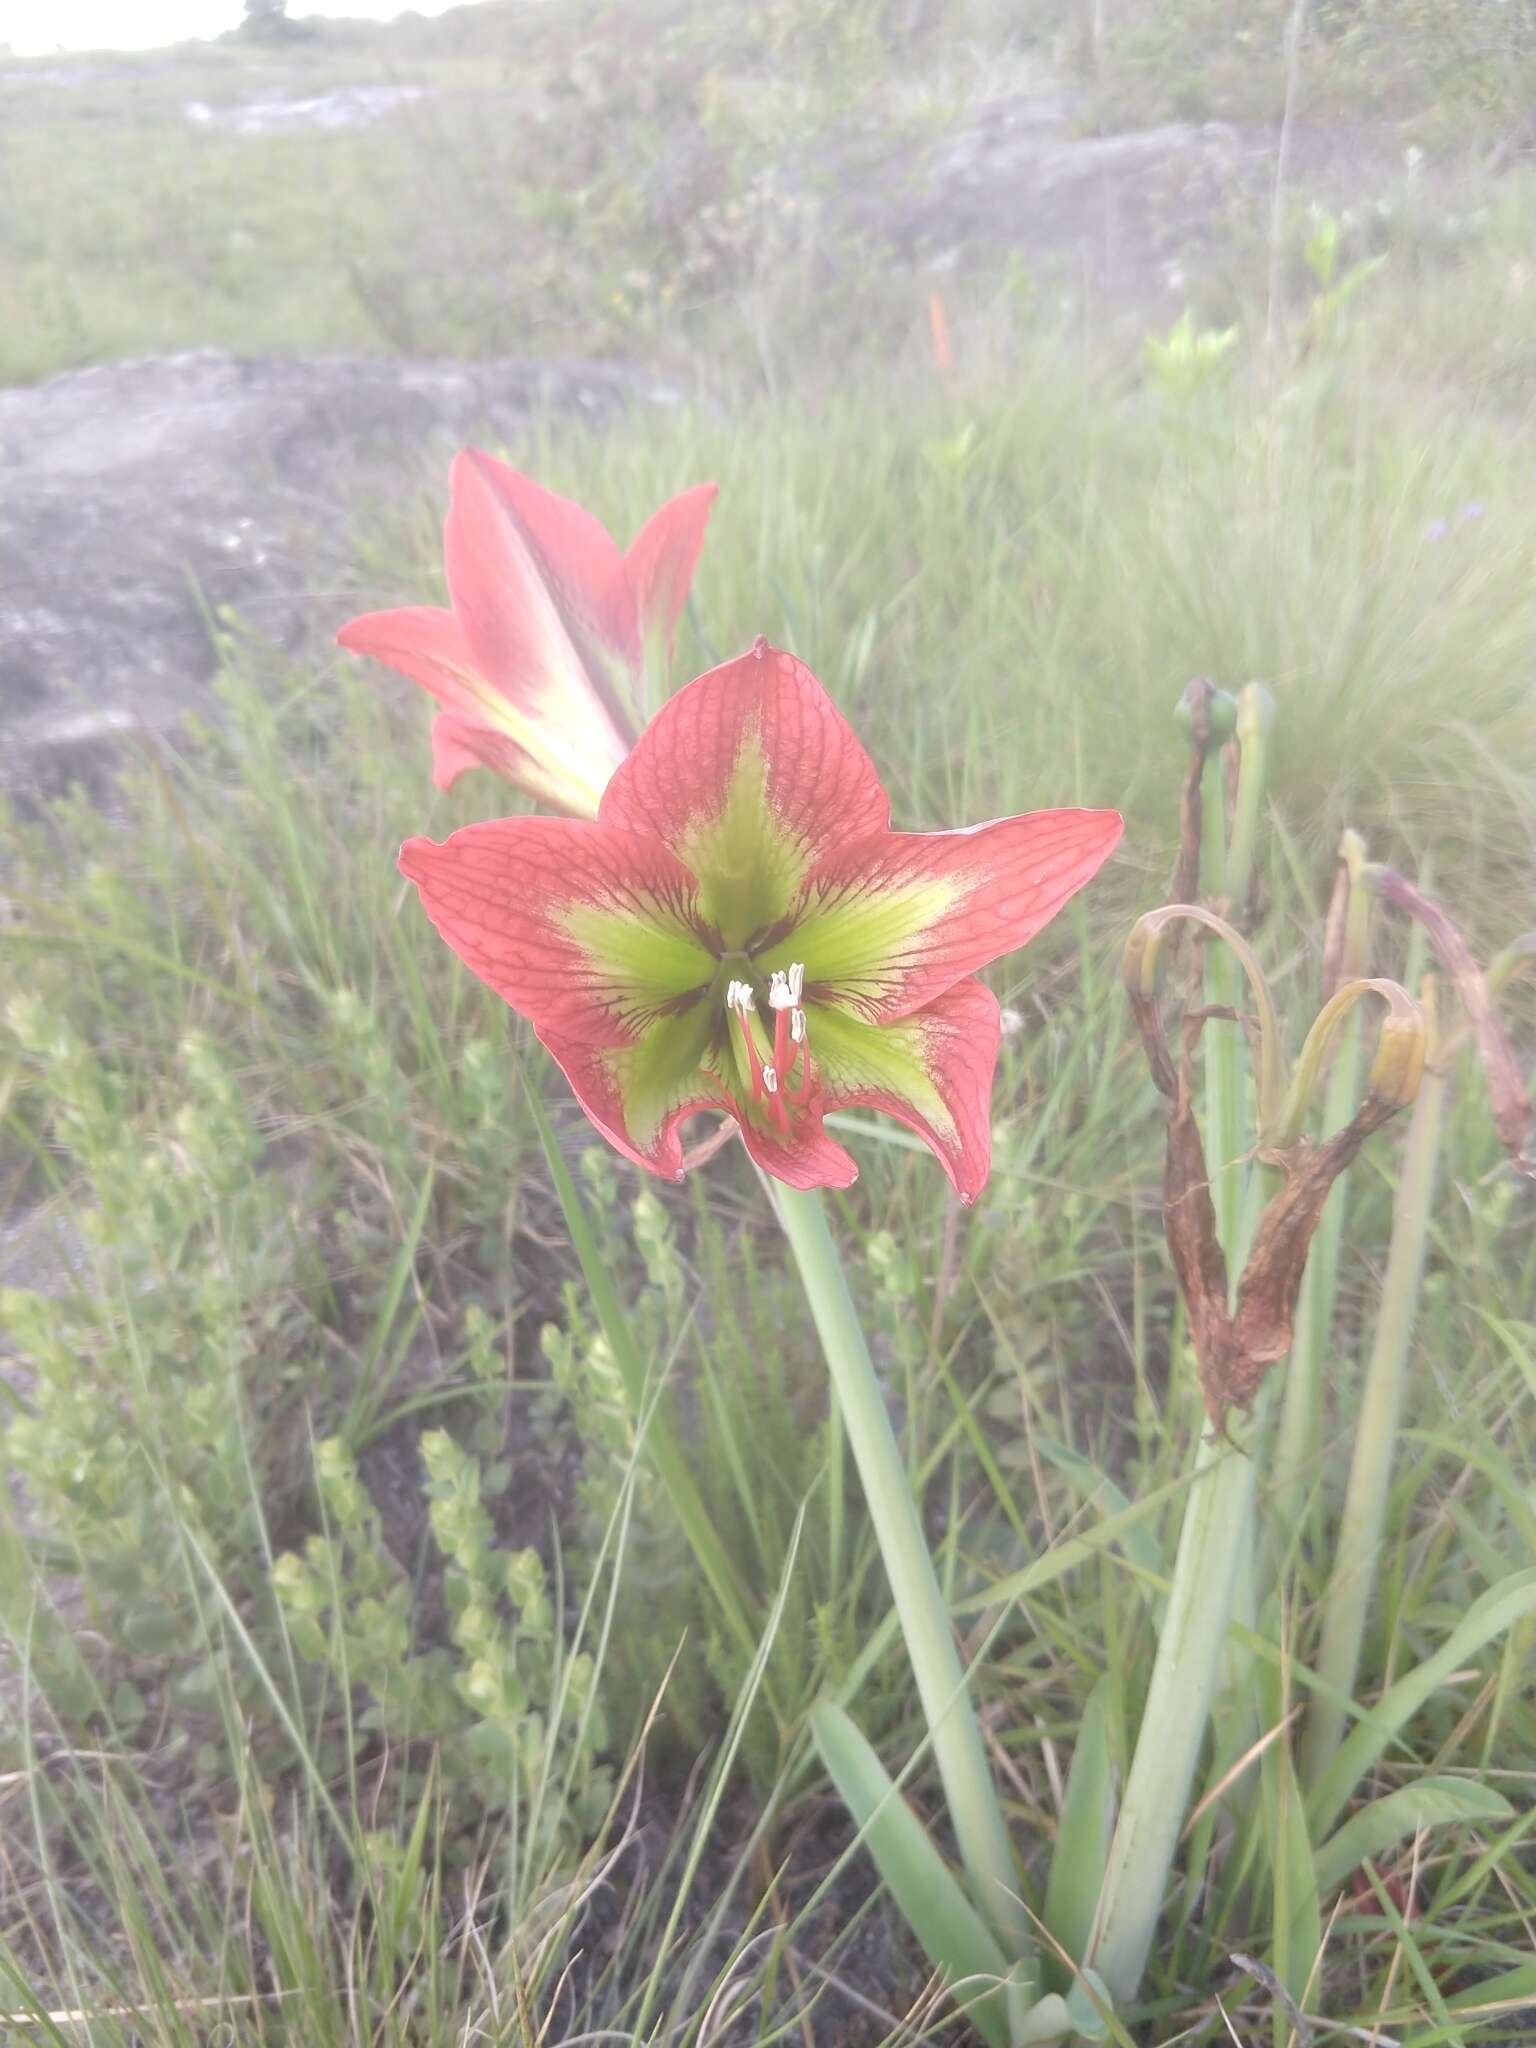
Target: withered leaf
point(1513, 1111)
point(1235, 1348)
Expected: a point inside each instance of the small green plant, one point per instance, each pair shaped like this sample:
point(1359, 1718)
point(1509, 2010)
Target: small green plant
point(505, 1713)
point(1335, 287)
point(755, 1463)
point(140, 1387)
point(1188, 359)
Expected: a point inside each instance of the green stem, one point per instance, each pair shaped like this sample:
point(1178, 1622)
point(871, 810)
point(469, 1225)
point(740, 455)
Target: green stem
point(1213, 826)
point(837, 1460)
point(1298, 1444)
point(1348, 1597)
point(1226, 1141)
point(972, 1798)
point(1184, 1677)
point(1217, 1532)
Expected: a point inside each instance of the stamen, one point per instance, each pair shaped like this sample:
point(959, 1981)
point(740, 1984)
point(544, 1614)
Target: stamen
point(801, 1089)
point(773, 1081)
point(786, 987)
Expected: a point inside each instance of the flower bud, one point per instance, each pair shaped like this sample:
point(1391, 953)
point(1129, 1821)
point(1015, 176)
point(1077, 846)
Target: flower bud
point(1207, 716)
point(1255, 713)
point(1398, 1067)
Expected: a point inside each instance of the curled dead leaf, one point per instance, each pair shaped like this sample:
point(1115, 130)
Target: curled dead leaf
point(1235, 1346)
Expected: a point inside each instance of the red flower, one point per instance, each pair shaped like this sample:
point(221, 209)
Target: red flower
point(741, 930)
point(538, 666)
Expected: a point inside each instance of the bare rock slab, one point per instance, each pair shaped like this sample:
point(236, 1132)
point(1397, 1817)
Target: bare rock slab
point(138, 498)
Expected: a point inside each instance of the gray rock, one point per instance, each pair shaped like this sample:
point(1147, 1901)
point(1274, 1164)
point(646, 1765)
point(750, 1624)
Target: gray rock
point(137, 498)
point(352, 106)
point(1122, 220)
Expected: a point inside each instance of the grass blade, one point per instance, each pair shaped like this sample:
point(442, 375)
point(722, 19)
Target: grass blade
point(1498, 1609)
point(1432, 1802)
point(663, 1445)
point(952, 1932)
point(1087, 1822)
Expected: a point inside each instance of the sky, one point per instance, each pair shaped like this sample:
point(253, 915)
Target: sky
point(37, 27)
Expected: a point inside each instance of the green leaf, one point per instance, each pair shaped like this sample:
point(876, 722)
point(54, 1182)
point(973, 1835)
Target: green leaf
point(1432, 1802)
point(1321, 251)
point(397, 1884)
point(1298, 1926)
point(1082, 1841)
point(1516, 1984)
point(1100, 1491)
point(1498, 1609)
point(128, 1707)
point(950, 1929)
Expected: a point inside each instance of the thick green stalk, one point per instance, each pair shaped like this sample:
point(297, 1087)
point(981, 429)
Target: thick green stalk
point(1216, 1535)
point(974, 1810)
point(1225, 1120)
point(1184, 1677)
point(1298, 1444)
point(1352, 1580)
point(1255, 715)
point(1229, 1128)
point(1217, 1532)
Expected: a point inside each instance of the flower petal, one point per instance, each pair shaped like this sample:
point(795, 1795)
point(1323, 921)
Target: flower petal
point(576, 560)
point(425, 643)
point(888, 924)
point(460, 743)
point(932, 1071)
point(543, 596)
point(805, 1157)
point(751, 775)
point(663, 557)
point(592, 934)
point(640, 1095)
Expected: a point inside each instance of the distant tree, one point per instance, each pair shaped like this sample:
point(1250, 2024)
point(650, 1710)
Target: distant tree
point(267, 18)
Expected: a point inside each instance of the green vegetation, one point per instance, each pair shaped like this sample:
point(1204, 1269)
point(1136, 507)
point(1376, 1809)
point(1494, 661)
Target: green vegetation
point(359, 1684)
point(667, 182)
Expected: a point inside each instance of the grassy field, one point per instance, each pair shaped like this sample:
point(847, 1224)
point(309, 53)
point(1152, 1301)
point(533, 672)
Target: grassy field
point(361, 1686)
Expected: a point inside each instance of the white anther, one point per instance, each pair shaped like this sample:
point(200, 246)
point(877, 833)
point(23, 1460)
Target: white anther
point(797, 1026)
point(771, 1080)
point(786, 989)
point(739, 997)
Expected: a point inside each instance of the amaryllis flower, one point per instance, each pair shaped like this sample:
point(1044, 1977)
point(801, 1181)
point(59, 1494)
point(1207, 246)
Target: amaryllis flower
point(538, 666)
point(741, 930)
